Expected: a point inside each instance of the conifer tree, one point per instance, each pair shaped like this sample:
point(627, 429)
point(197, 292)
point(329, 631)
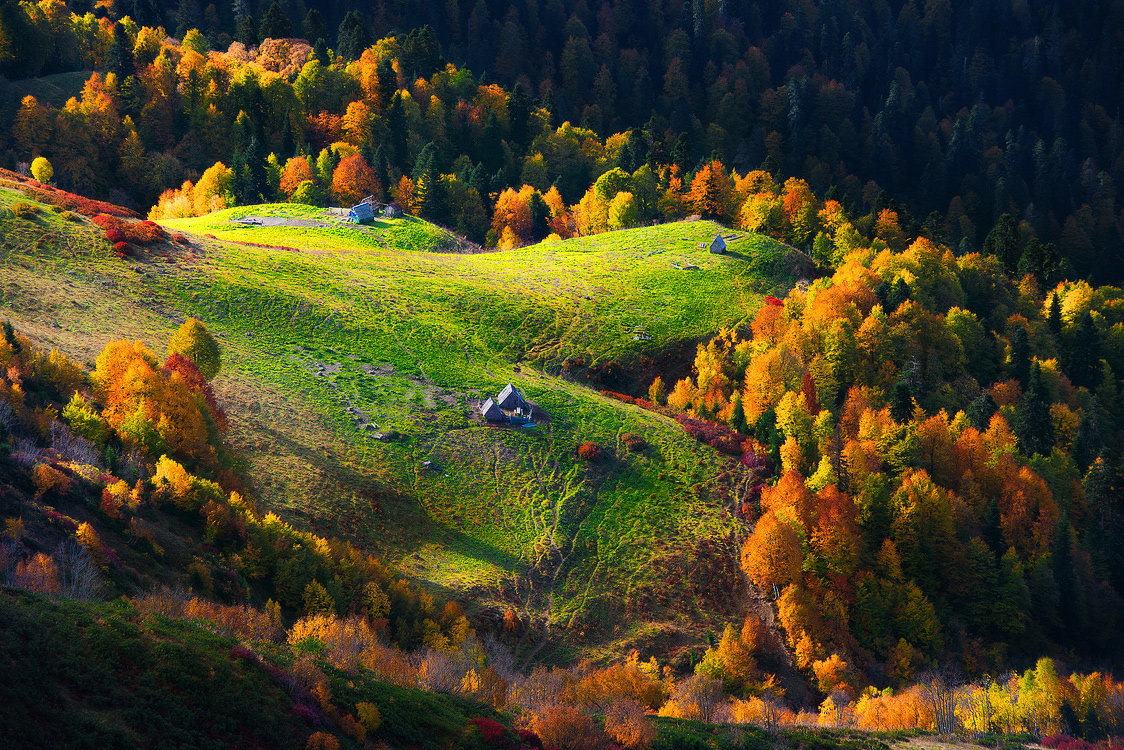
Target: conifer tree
point(313, 28)
point(1054, 316)
point(1033, 426)
point(247, 31)
point(1085, 357)
point(1020, 355)
point(275, 24)
point(353, 36)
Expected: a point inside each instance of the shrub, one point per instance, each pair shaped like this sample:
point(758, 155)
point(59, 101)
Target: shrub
point(493, 733)
point(121, 249)
point(37, 574)
point(590, 451)
point(565, 726)
point(106, 222)
point(179, 239)
point(64, 522)
point(49, 479)
point(634, 442)
point(24, 210)
point(369, 716)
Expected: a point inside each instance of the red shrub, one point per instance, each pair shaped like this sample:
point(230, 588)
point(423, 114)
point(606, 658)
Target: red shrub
point(590, 451)
point(107, 222)
point(70, 201)
point(66, 523)
point(618, 397)
point(145, 232)
point(717, 436)
point(122, 249)
point(771, 300)
point(494, 733)
point(179, 239)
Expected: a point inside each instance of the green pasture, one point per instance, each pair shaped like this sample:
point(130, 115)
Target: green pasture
point(351, 363)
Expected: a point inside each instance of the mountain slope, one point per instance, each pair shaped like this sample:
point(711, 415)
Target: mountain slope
point(324, 351)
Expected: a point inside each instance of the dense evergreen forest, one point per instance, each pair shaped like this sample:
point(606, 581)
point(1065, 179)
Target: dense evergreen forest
point(963, 113)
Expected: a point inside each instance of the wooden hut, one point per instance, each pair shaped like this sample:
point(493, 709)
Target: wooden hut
point(511, 399)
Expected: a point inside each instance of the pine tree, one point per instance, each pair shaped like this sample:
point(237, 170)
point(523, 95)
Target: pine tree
point(428, 189)
point(1054, 316)
point(1085, 359)
point(981, 410)
point(312, 27)
point(119, 59)
point(275, 24)
point(737, 414)
point(1020, 355)
point(353, 36)
point(1071, 594)
point(901, 402)
point(247, 31)
point(1033, 426)
point(518, 113)
point(1003, 242)
point(188, 16)
point(382, 172)
point(396, 123)
point(257, 185)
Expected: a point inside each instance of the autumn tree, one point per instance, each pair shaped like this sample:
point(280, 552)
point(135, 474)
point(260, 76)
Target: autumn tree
point(711, 193)
point(195, 342)
point(353, 180)
point(296, 171)
point(42, 170)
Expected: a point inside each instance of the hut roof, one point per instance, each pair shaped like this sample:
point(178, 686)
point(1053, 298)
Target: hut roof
point(511, 398)
point(362, 212)
point(490, 411)
point(718, 246)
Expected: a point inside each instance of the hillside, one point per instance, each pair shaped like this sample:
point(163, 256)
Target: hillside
point(346, 341)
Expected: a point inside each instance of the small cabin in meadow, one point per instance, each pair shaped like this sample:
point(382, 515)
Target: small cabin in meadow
point(363, 213)
point(511, 399)
point(718, 246)
point(491, 412)
point(392, 210)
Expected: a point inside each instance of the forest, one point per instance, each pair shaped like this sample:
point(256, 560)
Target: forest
point(921, 440)
point(960, 116)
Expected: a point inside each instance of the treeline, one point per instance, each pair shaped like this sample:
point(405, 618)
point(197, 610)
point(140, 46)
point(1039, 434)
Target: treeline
point(962, 112)
point(935, 458)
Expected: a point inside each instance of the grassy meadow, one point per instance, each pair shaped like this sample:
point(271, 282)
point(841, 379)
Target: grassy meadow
point(360, 355)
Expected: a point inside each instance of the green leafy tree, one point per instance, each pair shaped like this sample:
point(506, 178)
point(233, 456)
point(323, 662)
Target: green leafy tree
point(194, 341)
point(317, 600)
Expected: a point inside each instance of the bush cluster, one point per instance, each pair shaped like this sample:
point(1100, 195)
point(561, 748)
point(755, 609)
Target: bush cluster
point(591, 451)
